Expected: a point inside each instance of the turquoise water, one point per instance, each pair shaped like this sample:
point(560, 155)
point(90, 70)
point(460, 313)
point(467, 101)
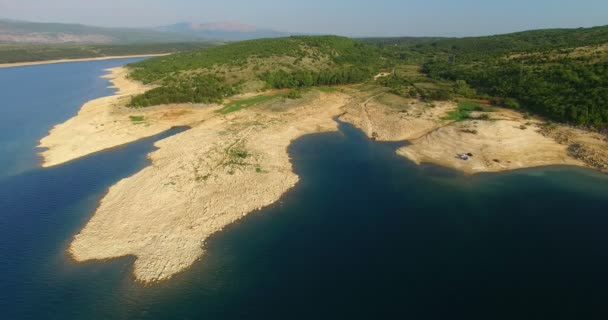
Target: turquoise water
point(365, 234)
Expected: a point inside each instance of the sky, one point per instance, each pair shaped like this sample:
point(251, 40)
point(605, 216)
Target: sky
point(343, 17)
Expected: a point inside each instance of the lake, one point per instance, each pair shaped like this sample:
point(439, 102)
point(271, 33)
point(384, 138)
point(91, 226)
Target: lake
point(366, 234)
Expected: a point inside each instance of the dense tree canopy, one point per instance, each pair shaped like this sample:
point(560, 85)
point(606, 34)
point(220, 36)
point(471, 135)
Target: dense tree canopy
point(558, 73)
point(567, 90)
point(305, 78)
point(197, 89)
point(294, 62)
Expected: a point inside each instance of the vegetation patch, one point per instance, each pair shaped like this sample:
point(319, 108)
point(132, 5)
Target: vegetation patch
point(328, 89)
point(137, 119)
point(237, 156)
point(306, 78)
point(463, 112)
point(294, 94)
point(414, 87)
point(195, 89)
point(237, 105)
point(260, 170)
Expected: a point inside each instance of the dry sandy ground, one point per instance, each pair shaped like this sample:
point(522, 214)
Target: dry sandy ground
point(198, 182)
point(506, 142)
point(403, 119)
point(105, 123)
point(497, 146)
point(23, 64)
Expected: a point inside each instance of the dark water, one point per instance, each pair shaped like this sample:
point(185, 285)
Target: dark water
point(364, 235)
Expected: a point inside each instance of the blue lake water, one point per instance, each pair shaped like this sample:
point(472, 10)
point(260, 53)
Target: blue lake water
point(35, 98)
point(365, 234)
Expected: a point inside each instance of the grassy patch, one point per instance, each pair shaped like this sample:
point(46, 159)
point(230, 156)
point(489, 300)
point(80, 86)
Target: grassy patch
point(238, 153)
point(137, 119)
point(244, 103)
point(470, 106)
point(458, 115)
point(463, 112)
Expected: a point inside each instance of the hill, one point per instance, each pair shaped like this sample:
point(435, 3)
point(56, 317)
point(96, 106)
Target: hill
point(213, 74)
point(58, 33)
point(526, 41)
point(558, 73)
point(31, 42)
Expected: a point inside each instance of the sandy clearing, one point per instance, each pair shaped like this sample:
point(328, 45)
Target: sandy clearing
point(411, 120)
point(35, 63)
point(497, 146)
point(382, 75)
point(507, 142)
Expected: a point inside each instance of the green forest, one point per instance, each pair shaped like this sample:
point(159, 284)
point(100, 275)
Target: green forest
point(294, 62)
point(567, 90)
point(339, 50)
point(306, 78)
point(194, 89)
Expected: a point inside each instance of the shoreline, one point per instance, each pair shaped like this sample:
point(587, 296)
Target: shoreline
point(36, 63)
point(56, 151)
point(105, 123)
point(227, 166)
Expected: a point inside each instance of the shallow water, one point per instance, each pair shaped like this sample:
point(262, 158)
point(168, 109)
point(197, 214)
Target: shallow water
point(364, 235)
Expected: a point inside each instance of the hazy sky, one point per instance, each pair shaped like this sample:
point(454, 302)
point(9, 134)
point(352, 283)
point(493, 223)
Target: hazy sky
point(344, 17)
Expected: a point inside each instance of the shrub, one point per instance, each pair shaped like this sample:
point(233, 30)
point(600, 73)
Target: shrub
point(294, 94)
point(462, 88)
point(511, 103)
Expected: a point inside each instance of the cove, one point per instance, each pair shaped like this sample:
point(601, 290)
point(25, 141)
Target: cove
point(369, 235)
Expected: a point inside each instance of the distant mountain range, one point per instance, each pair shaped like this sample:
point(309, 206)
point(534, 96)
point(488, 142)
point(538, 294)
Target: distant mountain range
point(224, 31)
point(55, 33)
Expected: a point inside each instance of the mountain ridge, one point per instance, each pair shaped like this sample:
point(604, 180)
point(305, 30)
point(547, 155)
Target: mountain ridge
point(224, 31)
point(16, 31)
